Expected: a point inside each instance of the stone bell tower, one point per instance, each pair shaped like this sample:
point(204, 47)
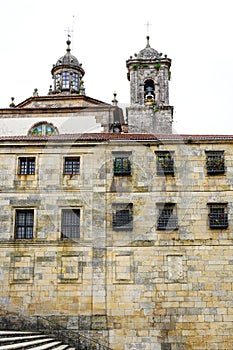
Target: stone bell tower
point(149, 75)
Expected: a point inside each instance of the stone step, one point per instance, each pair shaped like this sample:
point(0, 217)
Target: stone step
point(25, 344)
point(16, 340)
point(21, 338)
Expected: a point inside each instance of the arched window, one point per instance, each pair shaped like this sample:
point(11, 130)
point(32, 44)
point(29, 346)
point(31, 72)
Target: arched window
point(149, 90)
point(43, 129)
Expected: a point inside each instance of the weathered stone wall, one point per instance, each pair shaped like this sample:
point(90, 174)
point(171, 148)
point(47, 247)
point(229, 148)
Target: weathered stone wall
point(143, 288)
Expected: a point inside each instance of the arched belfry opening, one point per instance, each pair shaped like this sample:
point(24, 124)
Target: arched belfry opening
point(149, 91)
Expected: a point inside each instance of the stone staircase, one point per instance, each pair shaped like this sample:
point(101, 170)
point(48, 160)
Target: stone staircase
point(10, 340)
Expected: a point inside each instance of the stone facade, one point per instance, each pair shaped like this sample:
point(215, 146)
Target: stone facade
point(141, 288)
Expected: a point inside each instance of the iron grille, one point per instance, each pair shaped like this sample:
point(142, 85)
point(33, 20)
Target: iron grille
point(218, 218)
point(165, 164)
point(167, 220)
point(123, 218)
point(215, 163)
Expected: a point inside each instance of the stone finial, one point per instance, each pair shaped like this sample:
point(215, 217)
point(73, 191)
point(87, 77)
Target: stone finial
point(114, 101)
point(12, 105)
point(35, 92)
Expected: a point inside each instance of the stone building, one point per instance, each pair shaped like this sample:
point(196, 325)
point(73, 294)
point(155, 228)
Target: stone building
point(112, 225)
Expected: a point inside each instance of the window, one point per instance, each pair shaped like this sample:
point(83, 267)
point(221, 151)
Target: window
point(122, 218)
point(24, 224)
point(121, 163)
point(65, 80)
point(75, 81)
point(27, 165)
point(70, 223)
point(122, 166)
point(43, 129)
point(57, 82)
point(218, 217)
point(215, 162)
point(167, 218)
point(72, 166)
point(165, 163)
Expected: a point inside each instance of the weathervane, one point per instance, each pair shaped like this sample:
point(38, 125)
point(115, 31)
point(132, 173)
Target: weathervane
point(68, 30)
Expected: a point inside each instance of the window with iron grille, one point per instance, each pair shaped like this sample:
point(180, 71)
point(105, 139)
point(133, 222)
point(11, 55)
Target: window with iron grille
point(165, 163)
point(70, 223)
point(24, 222)
point(122, 218)
point(167, 217)
point(27, 165)
point(218, 217)
point(122, 166)
point(72, 166)
point(215, 162)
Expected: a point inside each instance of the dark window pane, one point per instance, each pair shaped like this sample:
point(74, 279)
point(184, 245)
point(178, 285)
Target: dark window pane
point(72, 166)
point(70, 223)
point(26, 166)
point(24, 224)
point(122, 166)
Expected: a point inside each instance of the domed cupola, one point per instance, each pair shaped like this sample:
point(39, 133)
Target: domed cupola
point(67, 74)
point(148, 52)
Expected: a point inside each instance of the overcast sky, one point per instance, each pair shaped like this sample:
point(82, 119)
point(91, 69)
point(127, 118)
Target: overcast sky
point(196, 35)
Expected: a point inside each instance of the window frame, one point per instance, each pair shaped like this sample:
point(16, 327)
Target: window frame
point(71, 224)
point(165, 221)
point(218, 216)
point(121, 221)
point(72, 168)
point(26, 169)
point(24, 226)
point(163, 167)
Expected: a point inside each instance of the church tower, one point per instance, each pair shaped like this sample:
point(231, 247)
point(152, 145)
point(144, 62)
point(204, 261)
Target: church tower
point(149, 75)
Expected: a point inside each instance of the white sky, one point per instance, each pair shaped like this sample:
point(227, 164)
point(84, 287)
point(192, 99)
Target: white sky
point(196, 35)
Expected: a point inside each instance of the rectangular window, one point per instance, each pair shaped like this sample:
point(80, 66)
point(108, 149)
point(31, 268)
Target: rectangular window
point(122, 166)
point(215, 162)
point(72, 166)
point(70, 223)
point(27, 165)
point(122, 218)
point(167, 218)
point(24, 222)
point(165, 163)
point(218, 217)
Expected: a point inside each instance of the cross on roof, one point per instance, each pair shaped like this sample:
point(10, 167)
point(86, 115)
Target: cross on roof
point(148, 26)
point(68, 30)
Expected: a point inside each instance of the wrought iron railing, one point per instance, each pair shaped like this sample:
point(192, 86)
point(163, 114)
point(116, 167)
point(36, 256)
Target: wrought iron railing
point(70, 337)
point(49, 327)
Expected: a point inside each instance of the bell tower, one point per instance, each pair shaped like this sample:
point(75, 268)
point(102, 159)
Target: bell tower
point(149, 75)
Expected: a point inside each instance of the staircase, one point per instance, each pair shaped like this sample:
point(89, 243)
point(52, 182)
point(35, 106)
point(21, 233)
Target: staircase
point(10, 340)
